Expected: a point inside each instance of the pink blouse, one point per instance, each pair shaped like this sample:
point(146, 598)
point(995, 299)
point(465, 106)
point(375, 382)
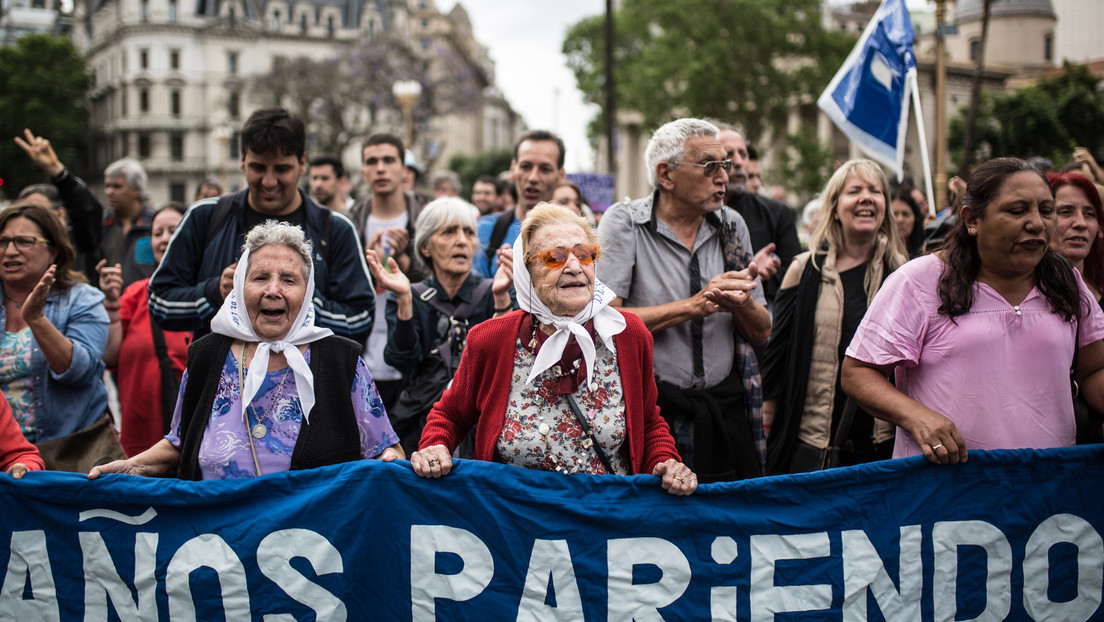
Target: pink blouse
point(1000, 372)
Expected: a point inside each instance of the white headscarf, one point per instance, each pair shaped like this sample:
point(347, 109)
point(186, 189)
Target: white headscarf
point(232, 321)
point(607, 321)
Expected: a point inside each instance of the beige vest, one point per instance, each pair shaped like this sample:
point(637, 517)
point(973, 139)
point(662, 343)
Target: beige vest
point(820, 394)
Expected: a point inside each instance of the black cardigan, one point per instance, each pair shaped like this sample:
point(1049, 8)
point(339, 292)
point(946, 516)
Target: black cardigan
point(331, 437)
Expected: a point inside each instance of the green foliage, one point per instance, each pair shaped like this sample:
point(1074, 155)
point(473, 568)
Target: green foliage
point(44, 85)
point(743, 61)
point(472, 167)
point(807, 164)
point(1048, 119)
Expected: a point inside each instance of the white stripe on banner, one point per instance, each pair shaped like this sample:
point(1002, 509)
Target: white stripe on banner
point(1010, 535)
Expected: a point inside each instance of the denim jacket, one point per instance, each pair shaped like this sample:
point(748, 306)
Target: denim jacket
point(74, 399)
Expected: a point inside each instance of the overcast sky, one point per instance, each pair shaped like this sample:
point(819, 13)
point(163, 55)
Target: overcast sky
point(525, 39)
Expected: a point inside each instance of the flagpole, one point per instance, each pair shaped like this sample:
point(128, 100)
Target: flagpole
point(923, 140)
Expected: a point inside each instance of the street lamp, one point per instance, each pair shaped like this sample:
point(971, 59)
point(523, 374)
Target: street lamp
point(222, 134)
point(407, 93)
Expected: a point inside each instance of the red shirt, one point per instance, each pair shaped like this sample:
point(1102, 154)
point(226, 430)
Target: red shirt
point(139, 372)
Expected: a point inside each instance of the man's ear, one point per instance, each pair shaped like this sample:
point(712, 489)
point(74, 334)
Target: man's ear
point(663, 176)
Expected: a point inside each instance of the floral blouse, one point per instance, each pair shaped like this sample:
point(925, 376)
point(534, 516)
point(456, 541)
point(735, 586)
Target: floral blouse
point(539, 430)
point(15, 378)
point(224, 452)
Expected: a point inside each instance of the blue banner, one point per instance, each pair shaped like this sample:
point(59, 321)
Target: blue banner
point(868, 99)
point(1010, 535)
point(596, 187)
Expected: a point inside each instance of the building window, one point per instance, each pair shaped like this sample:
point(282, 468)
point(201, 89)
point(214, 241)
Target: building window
point(145, 10)
point(425, 23)
point(231, 62)
point(274, 23)
point(172, 11)
point(303, 23)
point(124, 144)
point(143, 100)
point(233, 105)
point(975, 49)
point(426, 42)
point(174, 59)
point(1048, 48)
point(177, 192)
point(371, 27)
point(123, 100)
point(143, 58)
point(143, 145)
point(330, 26)
point(176, 146)
point(174, 102)
point(234, 146)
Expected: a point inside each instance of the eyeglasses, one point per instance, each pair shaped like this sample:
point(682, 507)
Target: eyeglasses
point(22, 242)
point(555, 257)
point(711, 168)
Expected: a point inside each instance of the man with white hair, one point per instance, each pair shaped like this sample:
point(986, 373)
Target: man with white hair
point(682, 261)
point(119, 235)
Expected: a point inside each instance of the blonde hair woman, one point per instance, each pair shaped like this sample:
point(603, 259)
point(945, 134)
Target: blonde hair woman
point(823, 298)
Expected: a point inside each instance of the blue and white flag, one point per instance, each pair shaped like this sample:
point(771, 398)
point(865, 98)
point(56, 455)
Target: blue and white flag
point(1009, 535)
point(868, 99)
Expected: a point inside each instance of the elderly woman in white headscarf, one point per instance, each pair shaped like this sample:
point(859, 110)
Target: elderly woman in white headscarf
point(268, 391)
point(565, 384)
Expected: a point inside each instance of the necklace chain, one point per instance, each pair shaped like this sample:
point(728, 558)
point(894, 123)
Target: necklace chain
point(259, 430)
point(18, 303)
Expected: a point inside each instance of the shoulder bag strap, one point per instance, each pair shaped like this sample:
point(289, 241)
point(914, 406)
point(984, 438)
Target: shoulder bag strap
point(589, 434)
point(169, 385)
point(465, 310)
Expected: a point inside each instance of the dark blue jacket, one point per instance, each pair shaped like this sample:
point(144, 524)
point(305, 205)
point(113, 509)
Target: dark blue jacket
point(184, 291)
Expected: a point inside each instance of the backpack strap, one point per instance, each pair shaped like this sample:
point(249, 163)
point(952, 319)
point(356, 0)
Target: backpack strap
point(498, 234)
point(324, 241)
point(219, 216)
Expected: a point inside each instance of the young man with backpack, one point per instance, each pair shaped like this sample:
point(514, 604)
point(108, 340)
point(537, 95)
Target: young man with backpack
point(537, 168)
point(197, 272)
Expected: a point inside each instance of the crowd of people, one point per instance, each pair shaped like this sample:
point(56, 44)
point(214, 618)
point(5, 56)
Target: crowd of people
point(686, 334)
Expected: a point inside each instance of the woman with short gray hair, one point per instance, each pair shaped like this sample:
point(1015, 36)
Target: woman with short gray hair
point(268, 391)
point(428, 321)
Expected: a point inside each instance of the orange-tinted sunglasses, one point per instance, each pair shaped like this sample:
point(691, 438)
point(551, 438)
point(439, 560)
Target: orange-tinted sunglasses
point(556, 257)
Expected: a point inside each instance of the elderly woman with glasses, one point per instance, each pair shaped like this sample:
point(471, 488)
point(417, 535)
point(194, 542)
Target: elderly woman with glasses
point(566, 383)
point(268, 391)
point(55, 328)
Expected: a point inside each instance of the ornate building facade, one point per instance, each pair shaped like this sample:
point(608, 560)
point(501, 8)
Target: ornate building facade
point(175, 79)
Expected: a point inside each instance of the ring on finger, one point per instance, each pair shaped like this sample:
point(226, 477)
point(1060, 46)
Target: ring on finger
point(934, 447)
point(680, 479)
point(434, 462)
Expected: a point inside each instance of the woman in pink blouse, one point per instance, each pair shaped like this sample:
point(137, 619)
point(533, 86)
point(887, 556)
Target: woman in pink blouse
point(565, 384)
point(982, 334)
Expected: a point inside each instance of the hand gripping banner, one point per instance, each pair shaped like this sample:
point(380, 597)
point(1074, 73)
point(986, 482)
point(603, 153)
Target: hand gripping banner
point(1010, 535)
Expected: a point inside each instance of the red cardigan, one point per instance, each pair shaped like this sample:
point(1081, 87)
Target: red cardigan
point(13, 446)
point(481, 389)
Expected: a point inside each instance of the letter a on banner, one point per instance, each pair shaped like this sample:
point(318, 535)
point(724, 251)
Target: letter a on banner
point(868, 99)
